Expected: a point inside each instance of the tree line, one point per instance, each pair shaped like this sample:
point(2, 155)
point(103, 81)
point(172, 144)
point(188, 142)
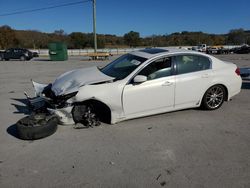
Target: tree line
point(77, 40)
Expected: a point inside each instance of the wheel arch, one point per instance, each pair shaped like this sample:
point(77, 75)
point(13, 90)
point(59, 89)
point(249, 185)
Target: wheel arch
point(102, 110)
point(221, 84)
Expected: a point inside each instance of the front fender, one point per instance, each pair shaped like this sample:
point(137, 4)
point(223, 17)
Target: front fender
point(107, 93)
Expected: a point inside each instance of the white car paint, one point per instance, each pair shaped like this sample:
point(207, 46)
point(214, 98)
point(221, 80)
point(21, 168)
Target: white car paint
point(71, 81)
point(128, 100)
point(146, 95)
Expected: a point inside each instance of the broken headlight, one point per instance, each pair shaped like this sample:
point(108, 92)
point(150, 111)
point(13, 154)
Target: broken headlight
point(59, 101)
point(66, 97)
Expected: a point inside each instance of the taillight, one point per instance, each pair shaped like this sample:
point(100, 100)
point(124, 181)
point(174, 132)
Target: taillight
point(237, 71)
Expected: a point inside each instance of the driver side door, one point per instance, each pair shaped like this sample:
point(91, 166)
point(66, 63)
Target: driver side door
point(153, 96)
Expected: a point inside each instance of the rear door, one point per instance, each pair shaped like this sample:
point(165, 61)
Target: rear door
point(194, 75)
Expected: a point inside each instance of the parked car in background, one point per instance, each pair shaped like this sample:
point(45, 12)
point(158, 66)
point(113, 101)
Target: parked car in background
point(202, 47)
point(35, 54)
point(212, 50)
point(245, 49)
point(245, 73)
point(223, 50)
point(217, 50)
point(17, 53)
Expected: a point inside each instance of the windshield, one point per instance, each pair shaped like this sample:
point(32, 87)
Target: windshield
point(123, 66)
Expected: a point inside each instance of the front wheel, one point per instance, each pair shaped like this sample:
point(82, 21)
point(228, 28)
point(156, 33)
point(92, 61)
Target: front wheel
point(86, 115)
point(214, 97)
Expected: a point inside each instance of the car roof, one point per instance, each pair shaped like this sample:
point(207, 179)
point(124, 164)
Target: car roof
point(155, 52)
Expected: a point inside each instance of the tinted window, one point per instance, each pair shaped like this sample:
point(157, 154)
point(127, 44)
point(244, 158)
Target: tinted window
point(191, 63)
point(157, 69)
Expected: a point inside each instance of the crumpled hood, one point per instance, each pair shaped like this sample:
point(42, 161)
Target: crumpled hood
point(71, 81)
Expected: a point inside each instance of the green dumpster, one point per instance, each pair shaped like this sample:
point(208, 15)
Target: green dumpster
point(58, 51)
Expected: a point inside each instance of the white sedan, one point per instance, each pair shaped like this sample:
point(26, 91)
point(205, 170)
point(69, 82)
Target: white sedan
point(137, 84)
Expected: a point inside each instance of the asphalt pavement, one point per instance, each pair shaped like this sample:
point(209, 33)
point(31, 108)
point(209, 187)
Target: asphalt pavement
point(188, 148)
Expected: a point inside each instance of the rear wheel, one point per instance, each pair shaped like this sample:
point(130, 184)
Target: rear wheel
point(214, 97)
point(22, 58)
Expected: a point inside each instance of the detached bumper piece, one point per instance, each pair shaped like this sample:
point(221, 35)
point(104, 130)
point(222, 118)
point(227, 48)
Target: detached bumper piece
point(36, 126)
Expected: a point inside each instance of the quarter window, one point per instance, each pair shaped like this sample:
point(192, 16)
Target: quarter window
point(191, 63)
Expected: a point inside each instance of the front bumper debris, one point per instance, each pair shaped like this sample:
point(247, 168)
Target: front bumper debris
point(46, 102)
point(42, 105)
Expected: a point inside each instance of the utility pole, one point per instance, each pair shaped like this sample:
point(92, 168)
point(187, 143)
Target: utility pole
point(94, 25)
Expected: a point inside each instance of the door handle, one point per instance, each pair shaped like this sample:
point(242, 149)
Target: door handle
point(167, 83)
point(205, 76)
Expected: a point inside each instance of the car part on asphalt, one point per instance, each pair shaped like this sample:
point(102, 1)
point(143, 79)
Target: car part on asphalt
point(36, 126)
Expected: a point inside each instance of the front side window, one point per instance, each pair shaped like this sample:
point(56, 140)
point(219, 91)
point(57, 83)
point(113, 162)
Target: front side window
point(123, 66)
point(191, 63)
point(157, 69)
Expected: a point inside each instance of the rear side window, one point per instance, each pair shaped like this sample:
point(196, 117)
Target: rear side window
point(191, 63)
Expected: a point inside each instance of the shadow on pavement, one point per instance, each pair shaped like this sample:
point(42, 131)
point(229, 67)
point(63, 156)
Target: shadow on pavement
point(21, 109)
point(12, 130)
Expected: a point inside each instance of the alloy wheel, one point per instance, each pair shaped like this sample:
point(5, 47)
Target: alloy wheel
point(215, 97)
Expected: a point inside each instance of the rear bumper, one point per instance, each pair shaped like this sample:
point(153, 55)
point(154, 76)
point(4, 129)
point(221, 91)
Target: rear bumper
point(235, 87)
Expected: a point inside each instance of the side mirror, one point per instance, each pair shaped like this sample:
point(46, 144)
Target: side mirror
point(140, 79)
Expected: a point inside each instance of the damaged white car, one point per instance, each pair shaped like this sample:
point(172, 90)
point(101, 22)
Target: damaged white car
point(140, 83)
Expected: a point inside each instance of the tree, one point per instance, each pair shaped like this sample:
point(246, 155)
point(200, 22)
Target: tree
point(7, 37)
point(132, 38)
point(237, 36)
point(59, 32)
point(77, 40)
point(32, 39)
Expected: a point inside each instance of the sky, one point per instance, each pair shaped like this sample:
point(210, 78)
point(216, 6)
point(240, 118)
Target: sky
point(148, 17)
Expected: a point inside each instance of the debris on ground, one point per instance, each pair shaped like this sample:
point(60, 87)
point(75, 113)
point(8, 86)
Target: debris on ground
point(158, 177)
point(163, 183)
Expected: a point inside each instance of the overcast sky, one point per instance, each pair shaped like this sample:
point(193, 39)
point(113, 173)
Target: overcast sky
point(121, 16)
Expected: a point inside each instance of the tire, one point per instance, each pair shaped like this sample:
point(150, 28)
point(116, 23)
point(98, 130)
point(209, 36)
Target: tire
point(36, 126)
point(1, 58)
point(22, 58)
point(214, 97)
